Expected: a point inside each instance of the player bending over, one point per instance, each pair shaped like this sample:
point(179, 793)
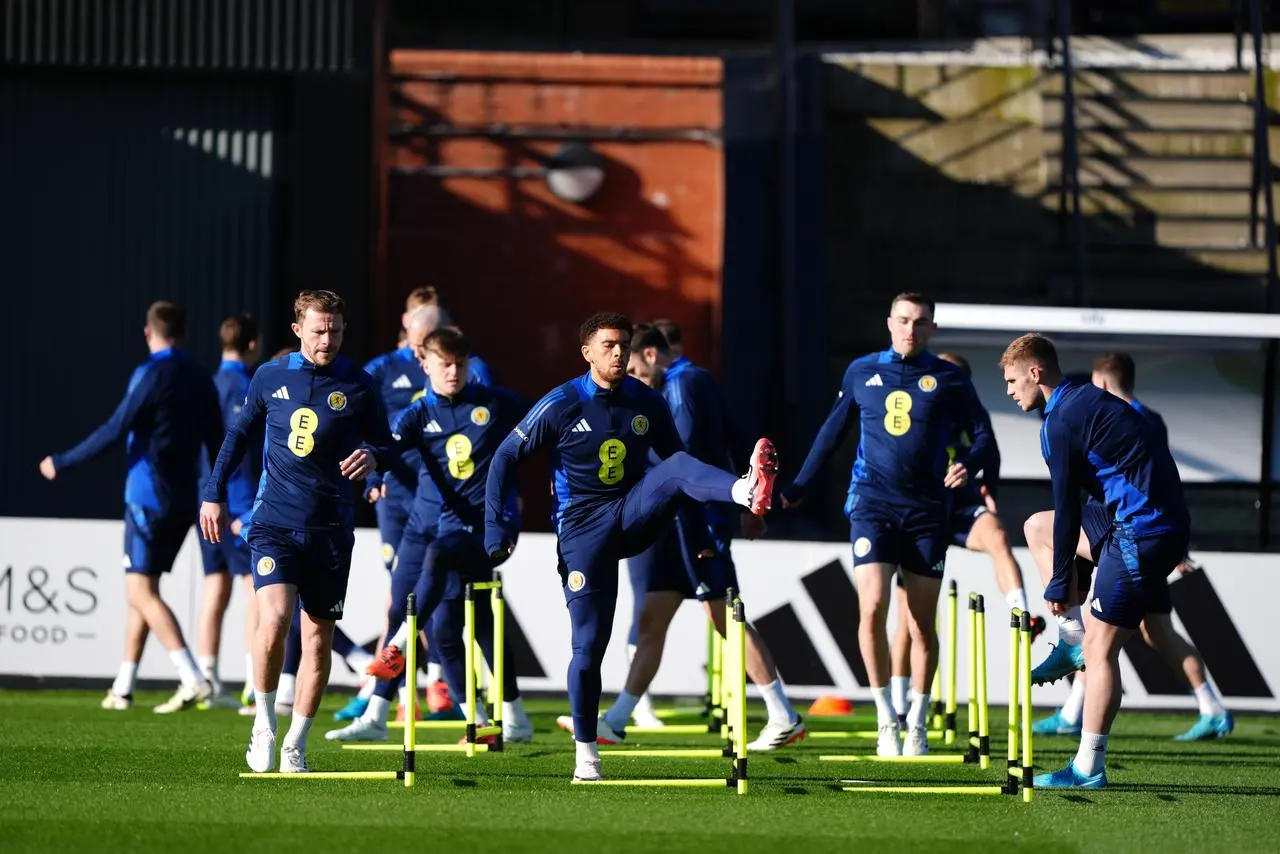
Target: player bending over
point(608, 502)
point(1136, 523)
point(1116, 373)
point(324, 428)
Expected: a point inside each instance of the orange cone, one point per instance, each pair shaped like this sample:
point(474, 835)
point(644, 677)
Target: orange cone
point(829, 706)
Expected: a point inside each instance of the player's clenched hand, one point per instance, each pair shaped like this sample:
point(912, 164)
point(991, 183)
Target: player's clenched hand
point(236, 527)
point(47, 468)
point(376, 494)
point(753, 526)
point(358, 465)
point(213, 518)
point(498, 556)
point(957, 476)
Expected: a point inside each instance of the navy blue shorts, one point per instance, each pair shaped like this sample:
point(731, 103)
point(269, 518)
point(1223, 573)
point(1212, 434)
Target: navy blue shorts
point(962, 519)
point(1132, 577)
point(229, 556)
point(913, 538)
point(318, 563)
point(151, 542)
point(393, 513)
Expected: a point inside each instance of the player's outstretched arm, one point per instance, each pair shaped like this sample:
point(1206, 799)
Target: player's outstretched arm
point(1066, 512)
point(136, 400)
point(976, 421)
point(832, 433)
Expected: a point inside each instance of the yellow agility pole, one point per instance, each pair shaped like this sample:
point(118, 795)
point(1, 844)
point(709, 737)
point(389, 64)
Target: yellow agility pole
point(973, 678)
point(860, 733)
point(732, 691)
point(1028, 774)
point(407, 770)
point(1016, 777)
point(949, 731)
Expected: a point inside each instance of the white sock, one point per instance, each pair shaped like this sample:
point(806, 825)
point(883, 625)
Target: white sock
point(587, 751)
point(265, 705)
point(377, 710)
point(285, 691)
point(248, 671)
point(919, 711)
point(1091, 757)
point(209, 667)
point(1017, 598)
point(188, 670)
point(776, 702)
point(401, 635)
point(123, 686)
point(404, 695)
point(1210, 702)
point(297, 734)
point(884, 706)
point(366, 688)
point(740, 492)
point(1073, 708)
point(901, 686)
point(620, 712)
point(513, 713)
point(435, 673)
point(1071, 627)
point(358, 660)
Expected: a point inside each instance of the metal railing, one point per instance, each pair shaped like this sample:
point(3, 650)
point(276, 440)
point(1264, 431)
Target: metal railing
point(1069, 152)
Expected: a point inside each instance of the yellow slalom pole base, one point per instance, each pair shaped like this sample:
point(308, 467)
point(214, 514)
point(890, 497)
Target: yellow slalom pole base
point(417, 748)
point(928, 790)
point(327, 775)
point(429, 725)
point(673, 753)
point(860, 733)
point(673, 783)
point(482, 731)
point(673, 729)
point(939, 759)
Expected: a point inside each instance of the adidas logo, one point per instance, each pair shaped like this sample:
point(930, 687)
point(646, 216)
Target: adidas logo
point(874, 381)
point(281, 393)
point(1097, 605)
point(402, 382)
point(432, 427)
point(581, 427)
point(337, 609)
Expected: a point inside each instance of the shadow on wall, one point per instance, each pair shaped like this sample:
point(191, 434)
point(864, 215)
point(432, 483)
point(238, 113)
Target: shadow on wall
point(520, 269)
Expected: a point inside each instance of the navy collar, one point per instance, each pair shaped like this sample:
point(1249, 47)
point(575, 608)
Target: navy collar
point(233, 365)
point(466, 394)
point(924, 357)
point(1057, 395)
point(165, 353)
point(591, 389)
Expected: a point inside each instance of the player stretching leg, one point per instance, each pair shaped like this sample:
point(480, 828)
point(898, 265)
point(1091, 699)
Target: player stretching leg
point(675, 568)
point(169, 412)
point(911, 403)
point(608, 502)
point(1136, 524)
point(318, 408)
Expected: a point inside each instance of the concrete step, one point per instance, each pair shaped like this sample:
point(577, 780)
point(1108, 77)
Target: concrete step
point(1121, 141)
point(1217, 85)
point(1159, 170)
point(1159, 201)
point(1152, 113)
point(1183, 233)
point(1158, 261)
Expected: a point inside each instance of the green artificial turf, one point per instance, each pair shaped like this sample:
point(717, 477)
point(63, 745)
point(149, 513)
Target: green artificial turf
point(76, 779)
